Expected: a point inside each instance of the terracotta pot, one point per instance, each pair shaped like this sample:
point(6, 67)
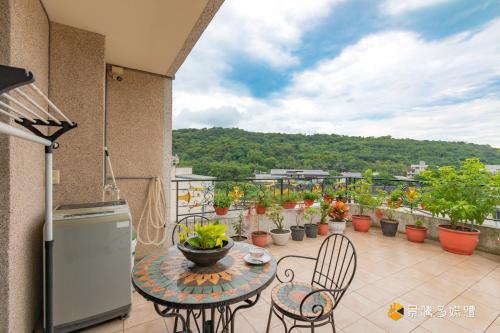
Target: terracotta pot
point(328, 199)
point(415, 234)
point(260, 210)
point(289, 205)
point(323, 229)
point(361, 223)
point(308, 202)
point(458, 241)
point(259, 238)
point(221, 211)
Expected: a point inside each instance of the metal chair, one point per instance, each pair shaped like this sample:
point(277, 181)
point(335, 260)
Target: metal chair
point(188, 221)
point(311, 305)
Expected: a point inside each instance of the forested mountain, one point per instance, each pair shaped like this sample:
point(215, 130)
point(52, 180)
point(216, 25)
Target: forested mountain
point(231, 152)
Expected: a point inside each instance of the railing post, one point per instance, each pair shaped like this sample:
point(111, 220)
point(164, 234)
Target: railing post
point(177, 202)
point(281, 188)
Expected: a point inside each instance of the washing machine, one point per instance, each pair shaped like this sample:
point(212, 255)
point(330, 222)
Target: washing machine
point(92, 264)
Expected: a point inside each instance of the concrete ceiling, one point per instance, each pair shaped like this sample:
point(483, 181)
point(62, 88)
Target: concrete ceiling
point(151, 35)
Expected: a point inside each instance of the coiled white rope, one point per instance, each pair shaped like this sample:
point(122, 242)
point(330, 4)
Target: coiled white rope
point(153, 216)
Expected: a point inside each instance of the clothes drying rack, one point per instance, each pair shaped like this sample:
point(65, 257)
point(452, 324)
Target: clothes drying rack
point(18, 100)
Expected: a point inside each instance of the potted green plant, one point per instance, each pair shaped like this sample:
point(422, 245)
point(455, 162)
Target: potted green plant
point(323, 223)
point(388, 223)
point(309, 197)
point(289, 200)
point(341, 193)
point(339, 212)
point(208, 245)
point(416, 233)
point(238, 227)
point(466, 196)
point(328, 195)
point(280, 235)
point(259, 237)
point(222, 202)
point(298, 231)
point(311, 228)
point(362, 193)
point(263, 202)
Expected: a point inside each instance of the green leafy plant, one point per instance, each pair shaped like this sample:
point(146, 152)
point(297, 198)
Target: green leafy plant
point(362, 192)
point(309, 195)
point(466, 195)
point(411, 198)
point(238, 225)
point(324, 210)
point(206, 237)
point(221, 199)
point(275, 214)
point(309, 214)
point(393, 201)
point(329, 192)
point(288, 197)
point(419, 223)
point(264, 199)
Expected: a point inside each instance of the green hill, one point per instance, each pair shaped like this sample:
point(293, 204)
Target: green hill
point(232, 153)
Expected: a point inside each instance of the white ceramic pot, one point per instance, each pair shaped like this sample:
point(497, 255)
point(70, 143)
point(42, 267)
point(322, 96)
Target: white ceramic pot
point(337, 227)
point(280, 238)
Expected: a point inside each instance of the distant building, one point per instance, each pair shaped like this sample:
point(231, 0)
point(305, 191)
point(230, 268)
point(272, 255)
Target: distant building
point(416, 169)
point(351, 174)
point(493, 168)
point(292, 173)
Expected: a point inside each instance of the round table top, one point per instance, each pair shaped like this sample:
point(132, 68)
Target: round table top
point(172, 280)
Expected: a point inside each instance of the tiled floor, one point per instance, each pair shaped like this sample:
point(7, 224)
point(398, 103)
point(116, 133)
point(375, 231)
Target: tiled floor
point(389, 270)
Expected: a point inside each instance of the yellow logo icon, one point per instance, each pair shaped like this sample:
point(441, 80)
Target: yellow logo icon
point(396, 311)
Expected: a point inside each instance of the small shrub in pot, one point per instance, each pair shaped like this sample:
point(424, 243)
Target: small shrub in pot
point(222, 202)
point(263, 202)
point(339, 213)
point(298, 231)
point(362, 193)
point(311, 228)
point(309, 197)
point(238, 227)
point(416, 232)
point(323, 223)
point(280, 235)
point(388, 223)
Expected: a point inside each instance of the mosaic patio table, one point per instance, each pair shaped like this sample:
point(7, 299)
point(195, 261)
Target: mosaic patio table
point(175, 284)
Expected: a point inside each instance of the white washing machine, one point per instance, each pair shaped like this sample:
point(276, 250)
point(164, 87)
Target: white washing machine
point(92, 266)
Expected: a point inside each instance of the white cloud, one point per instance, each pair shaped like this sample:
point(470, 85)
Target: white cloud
point(398, 7)
point(390, 83)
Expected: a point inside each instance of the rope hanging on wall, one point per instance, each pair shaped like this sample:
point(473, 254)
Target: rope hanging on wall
point(151, 228)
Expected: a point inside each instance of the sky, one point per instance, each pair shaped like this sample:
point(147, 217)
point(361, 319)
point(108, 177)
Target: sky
point(421, 69)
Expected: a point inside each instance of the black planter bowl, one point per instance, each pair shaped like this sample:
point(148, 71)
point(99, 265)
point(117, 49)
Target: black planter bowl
point(205, 258)
point(311, 230)
point(297, 233)
point(389, 227)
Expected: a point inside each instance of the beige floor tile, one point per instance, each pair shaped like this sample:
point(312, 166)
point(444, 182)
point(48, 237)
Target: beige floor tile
point(432, 267)
point(359, 304)
point(112, 326)
point(494, 327)
point(382, 320)
point(141, 314)
point(488, 285)
point(483, 317)
point(363, 326)
point(439, 325)
point(374, 294)
point(420, 329)
point(442, 290)
point(155, 326)
point(344, 316)
point(483, 298)
point(137, 299)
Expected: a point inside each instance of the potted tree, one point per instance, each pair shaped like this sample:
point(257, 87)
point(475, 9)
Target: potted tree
point(323, 223)
point(259, 237)
point(238, 227)
point(466, 196)
point(311, 228)
point(414, 232)
point(388, 223)
point(289, 200)
point(209, 244)
point(339, 212)
point(341, 193)
point(280, 235)
point(298, 231)
point(309, 197)
point(328, 195)
point(263, 202)
point(362, 192)
point(222, 202)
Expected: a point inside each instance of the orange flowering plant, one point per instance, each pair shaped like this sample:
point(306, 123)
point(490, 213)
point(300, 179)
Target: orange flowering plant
point(339, 211)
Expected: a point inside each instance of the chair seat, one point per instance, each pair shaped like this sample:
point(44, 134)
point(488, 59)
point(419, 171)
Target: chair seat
point(288, 296)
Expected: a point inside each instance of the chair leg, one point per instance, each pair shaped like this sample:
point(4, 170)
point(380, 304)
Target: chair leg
point(269, 319)
point(312, 327)
point(333, 323)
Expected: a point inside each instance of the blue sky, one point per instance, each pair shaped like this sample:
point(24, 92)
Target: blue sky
point(424, 69)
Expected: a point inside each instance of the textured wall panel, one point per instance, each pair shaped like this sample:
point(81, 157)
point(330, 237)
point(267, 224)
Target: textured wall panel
point(135, 133)
point(77, 87)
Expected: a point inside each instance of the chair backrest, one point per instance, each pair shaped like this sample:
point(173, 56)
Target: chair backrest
point(188, 221)
point(335, 265)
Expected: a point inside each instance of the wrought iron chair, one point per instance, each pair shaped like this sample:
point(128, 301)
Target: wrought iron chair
point(311, 305)
point(188, 221)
